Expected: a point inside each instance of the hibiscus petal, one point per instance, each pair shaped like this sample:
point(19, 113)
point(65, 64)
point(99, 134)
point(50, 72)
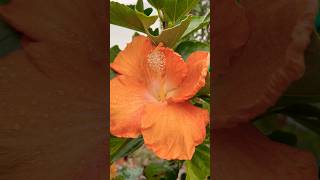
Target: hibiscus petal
point(272, 58)
point(132, 60)
point(176, 69)
point(198, 64)
point(245, 152)
point(60, 22)
point(48, 127)
point(127, 99)
point(228, 39)
point(173, 130)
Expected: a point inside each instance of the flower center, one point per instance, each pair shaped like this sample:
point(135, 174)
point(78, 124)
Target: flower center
point(157, 64)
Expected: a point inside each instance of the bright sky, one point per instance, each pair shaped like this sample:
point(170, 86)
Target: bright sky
point(121, 36)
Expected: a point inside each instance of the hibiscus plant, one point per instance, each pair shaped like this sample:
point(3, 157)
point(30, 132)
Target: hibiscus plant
point(159, 88)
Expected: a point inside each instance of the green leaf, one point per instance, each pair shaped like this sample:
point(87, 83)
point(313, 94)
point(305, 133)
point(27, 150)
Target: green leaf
point(157, 171)
point(115, 144)
point(139, 6)
point(307, 89)
point(174, 10)
point(306, 114)
point(128, 147)
point(185, 48)
point(198, 168)
point(9, 39)
point(201, 103)
point(127, 17)
point(148, 11)
point(156, 3)
point(284, 137)
point(197, 23)
point(170, 36)
point(154, 32)
point(113, 53)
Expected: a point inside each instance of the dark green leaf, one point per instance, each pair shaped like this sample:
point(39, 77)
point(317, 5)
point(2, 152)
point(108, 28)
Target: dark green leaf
point(114, 52)
point(148, 11)
point(198, 168)
point(154, 32)
point(127, 17)
point(128, 147)
point(135, 34)
point(9, 39)
point(185, 48)
point(306, 110)
point(284, 137)
point(305, 114)
point(311, 123)
point(115, 144)
point(268, 123)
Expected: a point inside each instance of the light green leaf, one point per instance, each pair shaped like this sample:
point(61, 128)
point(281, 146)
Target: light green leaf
point(127, 147)
point(198, 168)
point(156, 3)
point(204, 104)
point(127, 17)
point(307, 89)
point(113, 53)
point(9, 39)
point(197, 23)
point(174, 10)
point(185, 48)
point(170, 36)
point(145, 20)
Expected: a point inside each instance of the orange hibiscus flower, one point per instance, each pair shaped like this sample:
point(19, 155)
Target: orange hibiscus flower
point(259, 52)
point(150, 97)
